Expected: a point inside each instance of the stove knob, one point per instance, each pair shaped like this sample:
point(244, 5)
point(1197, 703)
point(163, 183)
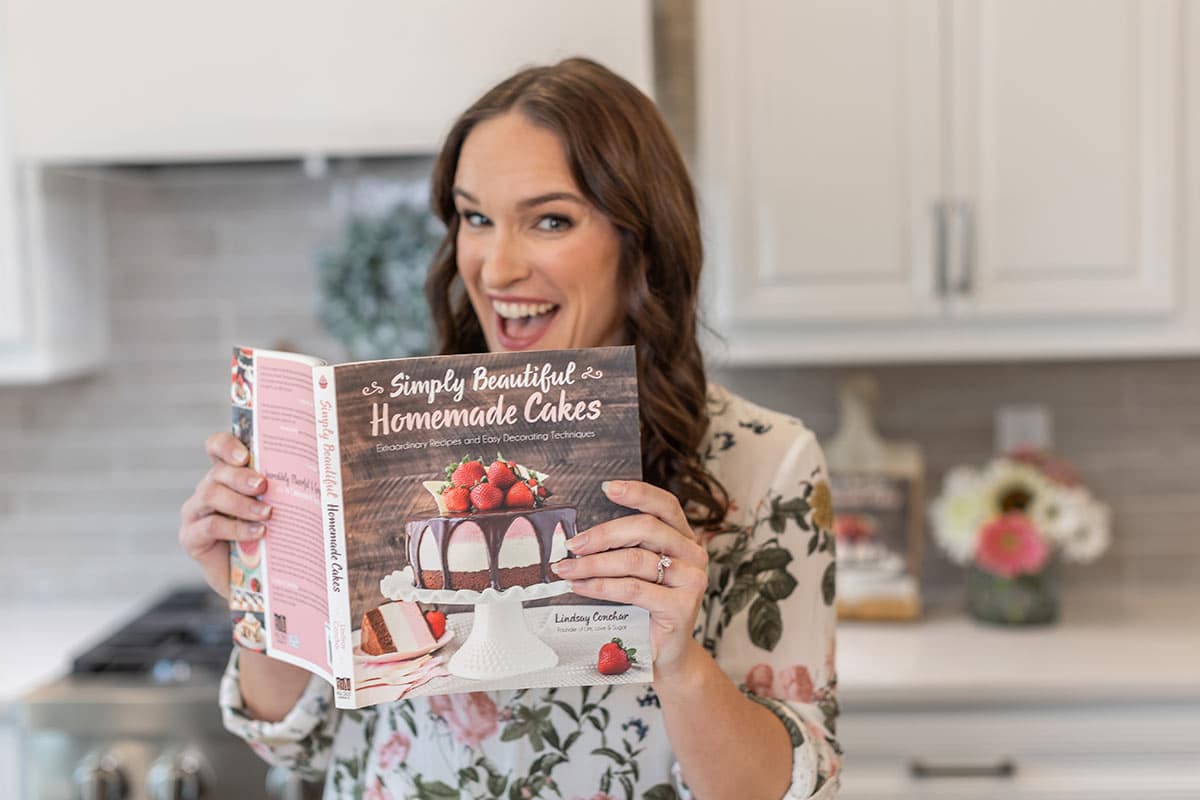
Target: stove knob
point(100, 777)
point(181, 775)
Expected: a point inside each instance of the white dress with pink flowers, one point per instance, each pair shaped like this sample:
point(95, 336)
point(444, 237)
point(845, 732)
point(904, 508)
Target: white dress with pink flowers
point(768, 620)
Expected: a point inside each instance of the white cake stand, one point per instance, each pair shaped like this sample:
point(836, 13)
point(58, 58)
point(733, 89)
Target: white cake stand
point(500, 644)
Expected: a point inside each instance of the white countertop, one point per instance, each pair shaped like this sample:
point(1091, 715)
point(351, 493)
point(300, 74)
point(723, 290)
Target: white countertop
point(1116, 647)
point(48, 637)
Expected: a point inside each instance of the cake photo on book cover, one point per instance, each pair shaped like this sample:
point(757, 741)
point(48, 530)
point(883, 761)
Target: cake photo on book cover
point(491, 545)
point(493, 529)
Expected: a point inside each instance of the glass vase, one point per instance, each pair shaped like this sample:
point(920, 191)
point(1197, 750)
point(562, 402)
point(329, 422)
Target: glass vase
point(1023, 600)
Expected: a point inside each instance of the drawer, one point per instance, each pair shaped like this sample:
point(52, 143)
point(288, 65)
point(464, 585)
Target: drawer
point(1118, 730)
point(1150, 751)
point(1032, 779)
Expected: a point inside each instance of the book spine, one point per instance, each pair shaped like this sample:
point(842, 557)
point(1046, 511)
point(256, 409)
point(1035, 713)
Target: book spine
point(341, 657)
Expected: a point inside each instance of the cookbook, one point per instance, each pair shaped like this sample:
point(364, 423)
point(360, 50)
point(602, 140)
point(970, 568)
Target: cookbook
point(417, 507)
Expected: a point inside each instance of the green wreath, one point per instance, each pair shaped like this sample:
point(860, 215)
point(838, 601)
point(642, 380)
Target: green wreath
point(372, 284)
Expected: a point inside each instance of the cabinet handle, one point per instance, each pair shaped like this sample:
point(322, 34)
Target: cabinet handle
point(1005, 768)
point(940, 254)
point(966, 223)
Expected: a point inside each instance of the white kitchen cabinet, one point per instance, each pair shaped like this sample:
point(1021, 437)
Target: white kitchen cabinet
point(12, 279)
point(138, 80)
point(947, 179)
point(54, 275)
point(53, 279)
point(1047, 751)
point(1064, 125)
point(819, 181)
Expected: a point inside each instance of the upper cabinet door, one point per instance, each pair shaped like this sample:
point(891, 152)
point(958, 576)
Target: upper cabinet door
point(1064, 125)
point(819, 141)
point(144, 80)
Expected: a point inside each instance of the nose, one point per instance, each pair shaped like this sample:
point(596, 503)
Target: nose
point(504, 263)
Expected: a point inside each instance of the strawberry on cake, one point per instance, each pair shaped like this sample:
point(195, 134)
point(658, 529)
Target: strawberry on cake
point(493, 529)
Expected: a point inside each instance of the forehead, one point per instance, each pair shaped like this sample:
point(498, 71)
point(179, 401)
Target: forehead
point(510, 157)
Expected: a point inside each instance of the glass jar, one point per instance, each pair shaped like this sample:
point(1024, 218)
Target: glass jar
point(1023, 600)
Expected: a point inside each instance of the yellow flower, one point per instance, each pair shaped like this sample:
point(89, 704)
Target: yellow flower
point(822, 505)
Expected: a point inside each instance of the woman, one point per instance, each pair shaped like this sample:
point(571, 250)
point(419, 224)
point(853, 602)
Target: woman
point(571, 222)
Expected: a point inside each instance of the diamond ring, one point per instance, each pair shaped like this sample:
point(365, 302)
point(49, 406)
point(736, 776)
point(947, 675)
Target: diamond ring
point(664, 561)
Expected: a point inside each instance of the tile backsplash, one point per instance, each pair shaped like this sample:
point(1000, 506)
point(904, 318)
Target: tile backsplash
point(94, 469)
point(1130, 427)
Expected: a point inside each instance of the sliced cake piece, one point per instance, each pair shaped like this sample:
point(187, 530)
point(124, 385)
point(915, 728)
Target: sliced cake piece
point(395, 628)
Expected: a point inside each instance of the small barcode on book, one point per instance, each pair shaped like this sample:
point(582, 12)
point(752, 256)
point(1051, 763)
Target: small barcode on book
point(280, 623)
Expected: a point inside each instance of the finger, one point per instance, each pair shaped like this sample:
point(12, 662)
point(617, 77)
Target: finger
point(635, 562)
point(651, 500)
point(212, 497)
point(242, 480)
point(225, 447)
point(639, 530)
point(198, 536)
point(658, 600)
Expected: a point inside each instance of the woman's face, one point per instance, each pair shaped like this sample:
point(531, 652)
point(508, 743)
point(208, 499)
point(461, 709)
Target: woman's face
point(539, 261)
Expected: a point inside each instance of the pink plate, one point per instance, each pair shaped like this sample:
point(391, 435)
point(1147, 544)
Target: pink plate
point(387, 658)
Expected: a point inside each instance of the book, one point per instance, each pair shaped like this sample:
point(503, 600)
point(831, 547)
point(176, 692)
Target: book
point(417, 507)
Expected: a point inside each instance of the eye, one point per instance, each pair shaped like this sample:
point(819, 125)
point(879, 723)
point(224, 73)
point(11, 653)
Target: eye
point(553, 222)
point(474, 218)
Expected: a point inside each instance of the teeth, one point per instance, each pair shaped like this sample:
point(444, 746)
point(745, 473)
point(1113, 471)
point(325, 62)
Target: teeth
point(519, 310)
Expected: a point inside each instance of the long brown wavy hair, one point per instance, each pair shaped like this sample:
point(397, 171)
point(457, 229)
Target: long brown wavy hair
point(626, 163)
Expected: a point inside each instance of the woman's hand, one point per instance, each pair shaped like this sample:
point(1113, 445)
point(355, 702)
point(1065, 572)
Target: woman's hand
point(618, 560)
point(222, 509)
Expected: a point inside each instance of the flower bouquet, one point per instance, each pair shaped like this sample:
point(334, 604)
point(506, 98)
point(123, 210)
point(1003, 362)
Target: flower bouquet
point(1009, 522)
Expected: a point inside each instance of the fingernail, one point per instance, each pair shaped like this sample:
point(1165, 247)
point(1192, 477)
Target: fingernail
point(240, 454)
point(577, 541)
point(612, 488)
point(562, 567)
point(255, 482)
point(262, 509)
point(256, 530)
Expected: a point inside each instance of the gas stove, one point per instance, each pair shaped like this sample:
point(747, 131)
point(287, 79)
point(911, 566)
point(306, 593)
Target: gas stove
point(183, 631)
point(137, 717)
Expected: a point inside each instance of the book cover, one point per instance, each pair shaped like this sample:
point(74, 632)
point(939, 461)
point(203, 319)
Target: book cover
point(447, 487)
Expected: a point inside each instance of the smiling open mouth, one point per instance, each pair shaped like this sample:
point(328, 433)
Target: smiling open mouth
point(520, 325)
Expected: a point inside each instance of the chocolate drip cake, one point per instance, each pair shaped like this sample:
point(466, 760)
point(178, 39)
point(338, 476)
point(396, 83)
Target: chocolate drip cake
point(501, 548)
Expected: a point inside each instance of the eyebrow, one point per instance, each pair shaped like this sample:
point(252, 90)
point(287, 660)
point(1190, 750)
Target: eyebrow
point(528, 202)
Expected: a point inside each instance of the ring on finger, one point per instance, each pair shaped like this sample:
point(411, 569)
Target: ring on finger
point(664, 561)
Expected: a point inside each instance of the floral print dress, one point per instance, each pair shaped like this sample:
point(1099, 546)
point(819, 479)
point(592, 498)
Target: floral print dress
point(768, 619)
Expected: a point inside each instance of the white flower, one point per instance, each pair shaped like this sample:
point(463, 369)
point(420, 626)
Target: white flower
point(957, 514)
point(1013, 486)
point(1089, 541)
point(1059, 511)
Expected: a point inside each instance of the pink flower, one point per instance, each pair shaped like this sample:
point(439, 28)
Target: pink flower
point(795, 683)
point(394, 752)
point(472, 717)
point(526, 792)
point(377, 792)
point(1010, 545)
point(759, 680)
